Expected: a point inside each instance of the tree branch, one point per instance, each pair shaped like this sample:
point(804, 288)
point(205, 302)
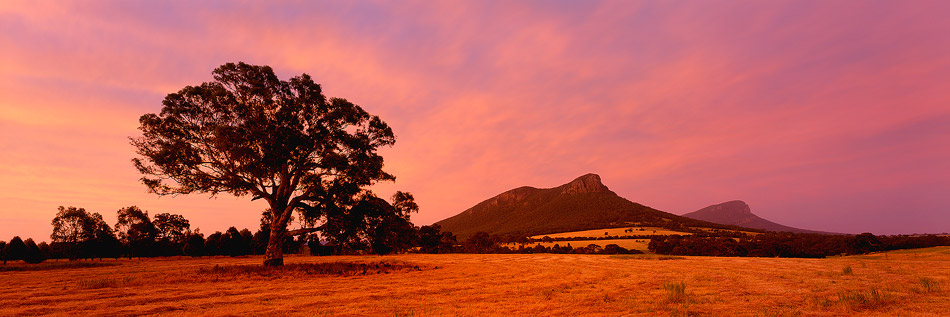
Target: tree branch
point(303, 231)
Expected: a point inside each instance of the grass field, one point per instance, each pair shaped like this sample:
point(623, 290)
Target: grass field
point(598, 233)
point(907, 283)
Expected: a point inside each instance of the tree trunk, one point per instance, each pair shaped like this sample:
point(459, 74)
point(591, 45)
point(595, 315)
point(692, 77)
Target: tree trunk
point(274, 255)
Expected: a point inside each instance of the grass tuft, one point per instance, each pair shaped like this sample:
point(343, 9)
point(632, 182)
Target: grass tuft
point(927, 285)
point(675, 292)
point(847, 270)
point(860, 300)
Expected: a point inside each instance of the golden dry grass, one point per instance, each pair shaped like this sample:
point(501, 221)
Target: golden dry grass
point(598, 233)
point(902, 284)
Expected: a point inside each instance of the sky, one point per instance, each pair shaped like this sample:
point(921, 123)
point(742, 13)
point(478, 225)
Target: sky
point(824, 115)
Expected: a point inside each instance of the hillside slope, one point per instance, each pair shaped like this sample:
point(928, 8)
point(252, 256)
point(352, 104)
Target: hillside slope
point(738, 213)
point(582, 204)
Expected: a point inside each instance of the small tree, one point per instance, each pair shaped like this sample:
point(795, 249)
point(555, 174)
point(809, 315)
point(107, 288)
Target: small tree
point(135, 230)
point(430, 238)
point(194, 244)
point(46, 249)
point(249, 133)
point(480, 242)
point(247, 240)
point(3, 255)
point(103, 242)
point(375, 225)
point(233, 243)
point(72, 229)
point(14, 250)
point(32, 253)
point(78, 233)
point(171, 226)
point(214, 244)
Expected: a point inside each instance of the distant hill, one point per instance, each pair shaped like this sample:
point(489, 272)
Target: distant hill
point(738, 213)
point(582, 204)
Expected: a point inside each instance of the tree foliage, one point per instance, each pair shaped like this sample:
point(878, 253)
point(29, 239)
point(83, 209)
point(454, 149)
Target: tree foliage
point(72, 225)
point(78, 233)
point(32, 253)
point(15, 250)
point(172, 227)
point(249, 133)
point(135, 230)
point(432, 240)
point(374, 225)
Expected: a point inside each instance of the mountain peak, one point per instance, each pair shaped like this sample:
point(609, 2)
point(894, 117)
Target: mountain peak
point(581, 204)
point(735, 207)
point(588, 183)
point(738, 213)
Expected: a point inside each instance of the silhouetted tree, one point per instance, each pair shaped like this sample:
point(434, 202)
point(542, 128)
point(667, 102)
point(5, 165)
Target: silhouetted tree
point(14, 250)
point(259, 242)
point(430, 239)
point(171, 231)
point(389, 229)
point(249, 133)
point(135, 230)
point(214, 244)
point(194, 244)
point(171, 226)
point(262, 235)
point(77, 233)
point(247, 238)
point(3, 255)
point(103, 242)
point(865, 243)
point(32, 253)
point(374, 225)
point(480, 242)
point(233, 243)
point(45, 249)
point(449, 243)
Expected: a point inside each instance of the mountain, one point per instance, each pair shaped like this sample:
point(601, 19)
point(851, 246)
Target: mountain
point(738, 213)
point(582, 204)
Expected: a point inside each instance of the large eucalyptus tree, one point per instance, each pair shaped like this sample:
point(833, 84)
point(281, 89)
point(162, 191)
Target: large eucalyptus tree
point(249, 133)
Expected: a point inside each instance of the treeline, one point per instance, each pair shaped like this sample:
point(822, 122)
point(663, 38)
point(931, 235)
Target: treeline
point(790, 245)
point(78, 234)
point(374, 229)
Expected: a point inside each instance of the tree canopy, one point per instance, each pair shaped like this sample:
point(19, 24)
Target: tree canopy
point(250, 133)
point(171, 226)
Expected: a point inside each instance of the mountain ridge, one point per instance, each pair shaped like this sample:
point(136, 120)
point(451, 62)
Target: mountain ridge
point(738, 213)
point(584, 203)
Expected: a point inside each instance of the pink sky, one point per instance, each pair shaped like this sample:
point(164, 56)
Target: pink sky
point(831, 116)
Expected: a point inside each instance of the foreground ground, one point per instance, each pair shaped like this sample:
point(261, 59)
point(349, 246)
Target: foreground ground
point(915, 282)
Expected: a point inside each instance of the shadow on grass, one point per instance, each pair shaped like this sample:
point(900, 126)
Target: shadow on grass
point(300, 269)
point(52, 266)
